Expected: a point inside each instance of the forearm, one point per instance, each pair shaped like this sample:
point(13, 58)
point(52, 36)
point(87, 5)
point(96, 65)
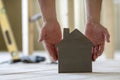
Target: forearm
point(93, 10)
point(48, 10)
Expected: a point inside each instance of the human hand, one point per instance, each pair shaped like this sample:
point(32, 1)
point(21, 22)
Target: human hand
point(51, 35)
point(98, 34)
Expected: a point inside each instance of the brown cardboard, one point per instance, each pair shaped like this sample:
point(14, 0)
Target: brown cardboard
point(74, 53)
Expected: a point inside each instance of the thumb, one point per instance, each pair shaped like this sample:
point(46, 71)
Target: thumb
point(42, 35)
point(107, 35)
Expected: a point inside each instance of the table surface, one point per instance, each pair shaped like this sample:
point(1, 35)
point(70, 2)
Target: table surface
point(102, 70)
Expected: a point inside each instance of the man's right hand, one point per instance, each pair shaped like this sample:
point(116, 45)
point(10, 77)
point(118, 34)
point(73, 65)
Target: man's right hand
point(51, 35)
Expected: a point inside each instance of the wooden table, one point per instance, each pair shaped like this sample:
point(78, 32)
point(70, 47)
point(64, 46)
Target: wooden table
point(102, 70)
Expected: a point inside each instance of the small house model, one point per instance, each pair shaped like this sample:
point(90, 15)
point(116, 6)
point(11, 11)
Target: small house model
point(74, 53)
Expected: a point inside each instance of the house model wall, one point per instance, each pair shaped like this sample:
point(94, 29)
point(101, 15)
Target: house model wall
point(74, 53)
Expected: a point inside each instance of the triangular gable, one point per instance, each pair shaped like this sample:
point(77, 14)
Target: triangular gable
point(76, 34)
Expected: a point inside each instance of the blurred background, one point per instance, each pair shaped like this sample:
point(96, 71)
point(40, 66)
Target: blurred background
point(70, 13)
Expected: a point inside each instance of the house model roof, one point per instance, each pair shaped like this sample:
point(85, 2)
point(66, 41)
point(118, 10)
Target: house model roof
point(75, 35)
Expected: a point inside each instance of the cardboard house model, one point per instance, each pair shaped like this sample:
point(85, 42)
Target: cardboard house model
point(74, 53)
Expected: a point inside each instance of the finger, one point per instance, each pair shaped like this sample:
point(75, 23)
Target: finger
point(52, 51)
point(94, 57)
point(92, 50)
point(55, 52)
point(94, 53)
point(107, 35)
point(42, 35)
point(95, 50)
point(101, 49)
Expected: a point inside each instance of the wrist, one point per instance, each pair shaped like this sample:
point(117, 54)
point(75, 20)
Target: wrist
point(53, 19)
point(50, 21)
point(92, 22)
point(91, 19)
